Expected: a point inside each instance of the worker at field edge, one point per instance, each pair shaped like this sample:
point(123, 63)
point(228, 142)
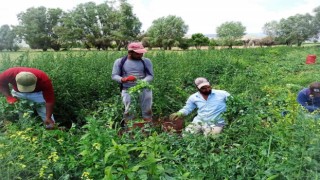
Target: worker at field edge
point(126, 71)
point(30, 84)
point(210, 103)
point(309, 97)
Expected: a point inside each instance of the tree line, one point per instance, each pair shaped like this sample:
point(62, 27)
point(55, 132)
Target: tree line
point(107, 25)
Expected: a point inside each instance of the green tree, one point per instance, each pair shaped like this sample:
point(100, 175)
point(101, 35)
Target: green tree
point(88, 24)
point(316, 22)
point(36, 27)
point(229, 32)
point(146, 42)
point(199, 40)
point(53, 18)
point(212, 44)
point(8, 38)
point(91, 25)
point(126, 26)
point(69, 34)
point(81, 25)
point(107, 17)
point(296, 29)
point(271, 28)
point(166, 31)
point(185, 43)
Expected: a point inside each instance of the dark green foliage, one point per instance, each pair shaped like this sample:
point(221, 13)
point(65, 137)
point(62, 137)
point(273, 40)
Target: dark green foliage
point(8, 39)
point(257, 142)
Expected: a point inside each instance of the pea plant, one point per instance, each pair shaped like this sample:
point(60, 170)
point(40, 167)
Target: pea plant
point(258, 142)
point(135, 93)
point(20, 110)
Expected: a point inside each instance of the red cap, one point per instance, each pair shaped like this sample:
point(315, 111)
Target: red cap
point(136, 47)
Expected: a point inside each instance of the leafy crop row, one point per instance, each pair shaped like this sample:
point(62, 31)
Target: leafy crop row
point(257, 143)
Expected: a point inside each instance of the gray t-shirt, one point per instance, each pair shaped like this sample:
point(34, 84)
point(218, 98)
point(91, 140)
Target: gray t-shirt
point(132, 67)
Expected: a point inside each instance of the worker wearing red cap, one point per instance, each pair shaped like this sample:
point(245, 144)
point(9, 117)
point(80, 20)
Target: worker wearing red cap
point(126, 71)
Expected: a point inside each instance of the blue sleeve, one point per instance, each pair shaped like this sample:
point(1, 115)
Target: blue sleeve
point(302, 98)
point(116, 71)
point(189, 107)
point(148, 64)
point(311, 108)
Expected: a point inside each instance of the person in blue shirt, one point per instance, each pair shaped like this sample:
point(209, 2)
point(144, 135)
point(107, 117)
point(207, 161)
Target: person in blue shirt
point(210, 104)
point(309, 98)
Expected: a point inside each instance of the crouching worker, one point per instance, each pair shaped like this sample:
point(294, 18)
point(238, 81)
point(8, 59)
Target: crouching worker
point(210, 103)
point(309, 98)
point(30, 84)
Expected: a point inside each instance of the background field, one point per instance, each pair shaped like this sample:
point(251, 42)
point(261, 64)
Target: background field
point(258, 143)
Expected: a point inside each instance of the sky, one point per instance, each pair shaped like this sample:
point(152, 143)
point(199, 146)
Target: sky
point(201, 16)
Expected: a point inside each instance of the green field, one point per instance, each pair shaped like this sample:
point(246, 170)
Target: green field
point(257, 143)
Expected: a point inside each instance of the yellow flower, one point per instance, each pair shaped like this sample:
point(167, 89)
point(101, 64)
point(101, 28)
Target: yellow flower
point(85, 175)
point(50, 176)
point(34, 139)
point(97, 146)
point(13, 136)
point(42, 169)
point(53, 157)
point(22, 165)
point(25, 115)
point(21, 157)
point(60, 141)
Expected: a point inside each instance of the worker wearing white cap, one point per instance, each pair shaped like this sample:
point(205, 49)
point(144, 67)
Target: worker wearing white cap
point(30, 84)
point(211, 103)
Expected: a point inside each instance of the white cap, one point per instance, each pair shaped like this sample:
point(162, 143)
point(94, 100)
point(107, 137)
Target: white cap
point(26, 81)
point(201, 81)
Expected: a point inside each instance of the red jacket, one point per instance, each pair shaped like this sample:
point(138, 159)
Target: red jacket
point(44, 84)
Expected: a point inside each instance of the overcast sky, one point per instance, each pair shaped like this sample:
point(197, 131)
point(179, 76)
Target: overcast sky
point(202, 16)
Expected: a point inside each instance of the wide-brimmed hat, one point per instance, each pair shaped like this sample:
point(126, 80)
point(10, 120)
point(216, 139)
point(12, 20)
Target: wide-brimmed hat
point(136, 47)
point(200, 82)
point(26, 81)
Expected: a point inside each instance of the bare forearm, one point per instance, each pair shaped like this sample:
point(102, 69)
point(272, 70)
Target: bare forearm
point(49, 110)
point(5, 91)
